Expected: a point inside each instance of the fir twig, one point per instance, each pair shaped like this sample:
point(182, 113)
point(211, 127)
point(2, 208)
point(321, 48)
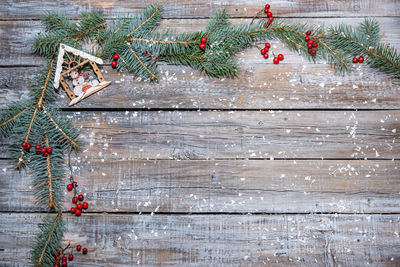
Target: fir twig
point(13, 117)
point(47, 241)
point(73, 141)
point(49, 176)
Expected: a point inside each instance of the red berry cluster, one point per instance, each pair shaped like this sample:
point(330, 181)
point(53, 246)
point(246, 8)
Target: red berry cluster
point(360, 59)
point(77, 210)
point(202, 44)
point(61, 258)
point(43, 150)
point(269, 15)
point(311, 44)
point(114, 62)
point(26, 146)
point(265, 50)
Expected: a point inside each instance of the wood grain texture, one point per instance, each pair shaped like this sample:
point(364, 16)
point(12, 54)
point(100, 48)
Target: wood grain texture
point(33, 9)
point(267, 88)
point(293, 84)
point(210, 240)
point(17, 37)
point(226, 186)
point(192, 135)
point(226, 210)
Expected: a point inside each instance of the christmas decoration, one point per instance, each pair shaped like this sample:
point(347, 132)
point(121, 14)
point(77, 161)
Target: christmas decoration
point(70, 72)
point(135, 46)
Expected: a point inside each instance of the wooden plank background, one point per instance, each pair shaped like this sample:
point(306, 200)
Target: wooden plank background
point(287, 164)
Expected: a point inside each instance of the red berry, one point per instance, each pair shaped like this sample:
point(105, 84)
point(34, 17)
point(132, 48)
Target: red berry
point(57, 258)
point(28, 146)
point(37, 146)
point(58, 252)
point(85, 205)
point(37, 152)
point(308, 32)
point(70, 257)
point(79, 206)
point(74, 200)
point(24, 144)
point(64, 258)
point(115, 56)
point(315, 44)
point(269, 14)
point(267, 6)
point(81, 197)
point(263, 51)
point(270, 20)
point(70, 187)
point(266, 56)
point(57, 264)
point(280, 57)
point(78, 212)
point(64, 264)
point(313, 51)
point(309, 46)
point(267, 45)
point(307, 38)
point(361, 59)
point(75, 184)
point(49, 150)
point(43, 150)
point(310, 41)
point(45, 154)
point(203, 40)
point(355, 60)
point(84, 250)
point(114, 64)
point(266, 10)
point(276, 60)
point(78, 247)
point(73, 210)
point(202, 46)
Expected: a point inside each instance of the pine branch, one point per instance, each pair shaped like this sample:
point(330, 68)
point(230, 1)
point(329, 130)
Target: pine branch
point(48, 173)
point(364, 40)
point(61, 30)
point(43, 90)
point(385, 58)
point(139, 64)
point(47, 241)
point(64, 128)
point(125, 28)
point(218, 22)
point(58, 22)
point(11, 115)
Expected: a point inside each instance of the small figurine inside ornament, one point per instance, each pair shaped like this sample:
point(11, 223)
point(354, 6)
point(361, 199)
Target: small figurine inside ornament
point(78, 70)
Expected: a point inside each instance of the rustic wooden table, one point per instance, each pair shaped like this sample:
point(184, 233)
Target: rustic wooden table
point(287, 164)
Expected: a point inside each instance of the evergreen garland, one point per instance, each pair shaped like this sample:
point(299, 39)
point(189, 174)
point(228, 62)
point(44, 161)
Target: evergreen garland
point(38, 121)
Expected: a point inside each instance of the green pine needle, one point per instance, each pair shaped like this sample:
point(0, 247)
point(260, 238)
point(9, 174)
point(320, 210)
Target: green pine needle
point(47, 241)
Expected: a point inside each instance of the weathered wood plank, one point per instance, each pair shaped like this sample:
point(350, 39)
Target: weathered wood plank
point(286, 86)
point(237, 135)
point(222, 186)
point(33, 9)
point(208, 240)
point(292, 84)
point(17, 38)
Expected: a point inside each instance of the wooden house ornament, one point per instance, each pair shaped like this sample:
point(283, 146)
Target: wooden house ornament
point(74, 74)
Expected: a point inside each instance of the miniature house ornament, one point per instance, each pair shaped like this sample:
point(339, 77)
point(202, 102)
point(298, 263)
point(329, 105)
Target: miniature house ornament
point(78, 74)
